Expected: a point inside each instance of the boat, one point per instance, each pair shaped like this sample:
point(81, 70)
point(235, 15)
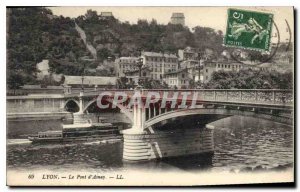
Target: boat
point(79, 132)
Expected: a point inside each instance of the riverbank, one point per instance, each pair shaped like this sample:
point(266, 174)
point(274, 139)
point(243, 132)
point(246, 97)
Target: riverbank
point(30, 116)
point(22, 125)
point(11, 142)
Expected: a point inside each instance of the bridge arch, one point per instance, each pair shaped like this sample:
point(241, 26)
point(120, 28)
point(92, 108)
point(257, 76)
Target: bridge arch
point(123, 109)
point(215, 111)
point(71, 105)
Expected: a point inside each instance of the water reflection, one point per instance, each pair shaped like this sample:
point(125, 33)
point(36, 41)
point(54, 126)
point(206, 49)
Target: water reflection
point(184, 163)
point(82, 156)
point(252, 145)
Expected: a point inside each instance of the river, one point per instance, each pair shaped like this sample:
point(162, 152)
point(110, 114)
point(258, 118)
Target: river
point(241, 144)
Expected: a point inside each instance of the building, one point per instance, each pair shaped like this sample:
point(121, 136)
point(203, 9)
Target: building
point(194, 68)
point(178, 19)
point(125, 64)
point(192, 59)
point(189, 53)
point(90, 82)
point(159, 63)
point(270, 67)
point(178, 79)
point(134, 76)
point(211, 66)
point(106, 15)
point(238, 54)
point(145, 73)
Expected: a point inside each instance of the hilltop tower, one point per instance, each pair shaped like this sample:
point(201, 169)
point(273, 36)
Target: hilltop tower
point(178, 18)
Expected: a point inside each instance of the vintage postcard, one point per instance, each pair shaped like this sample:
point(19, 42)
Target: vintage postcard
point(149, 96)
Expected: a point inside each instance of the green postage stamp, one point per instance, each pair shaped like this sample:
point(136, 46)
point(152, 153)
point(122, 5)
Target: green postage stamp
point(248, 29)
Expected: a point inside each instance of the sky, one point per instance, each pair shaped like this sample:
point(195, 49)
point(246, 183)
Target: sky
point(214, 17)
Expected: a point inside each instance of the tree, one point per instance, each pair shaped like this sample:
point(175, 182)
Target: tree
point(91, 15)
point(249, 79)
point(35, 34)
point(206, 37)
point(14, 79)
point(104, 53)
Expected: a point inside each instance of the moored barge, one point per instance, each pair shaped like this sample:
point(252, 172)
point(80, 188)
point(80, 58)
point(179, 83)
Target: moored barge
point(79, 132)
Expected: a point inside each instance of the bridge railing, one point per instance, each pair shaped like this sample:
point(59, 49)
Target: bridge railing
point(254, 96)
point(258, 96)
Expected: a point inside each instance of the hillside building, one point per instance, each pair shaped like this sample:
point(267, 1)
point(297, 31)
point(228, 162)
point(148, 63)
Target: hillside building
point(106, 15)
point(159, 63)
point(211, 66)
point(178, 19)
point(145, 73)
point(178, 79)
point(125, 64)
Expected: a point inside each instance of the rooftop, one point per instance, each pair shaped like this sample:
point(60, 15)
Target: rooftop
point(137, 70)
point(155, 54)
point(128, 58)
point(90, 80)
point(106, 14)
point(40, 87)
point(178, 71)
point(224, 61)
point(181, 15)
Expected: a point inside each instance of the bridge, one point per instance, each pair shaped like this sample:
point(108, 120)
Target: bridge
point(179, 125)
point(161, 130)
point(270, 104)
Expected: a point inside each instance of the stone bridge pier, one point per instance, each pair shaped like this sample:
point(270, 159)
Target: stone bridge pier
point(146, 145)
point(143, 142)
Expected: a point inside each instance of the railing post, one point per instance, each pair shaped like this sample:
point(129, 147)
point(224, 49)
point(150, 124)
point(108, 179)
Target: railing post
point(240, 95)
point(226, 95)
point(44, 105)
point(255, 95)
point(80, 102)
point(149, 113)
point(215, 95)
point(273, 96)
point(159, 112)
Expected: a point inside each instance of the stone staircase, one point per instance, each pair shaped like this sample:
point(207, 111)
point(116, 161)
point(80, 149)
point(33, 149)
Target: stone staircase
point(79, 118)
point(88, 45)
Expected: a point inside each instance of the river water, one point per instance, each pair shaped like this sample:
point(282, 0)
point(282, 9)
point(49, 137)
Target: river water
point(241, 144)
